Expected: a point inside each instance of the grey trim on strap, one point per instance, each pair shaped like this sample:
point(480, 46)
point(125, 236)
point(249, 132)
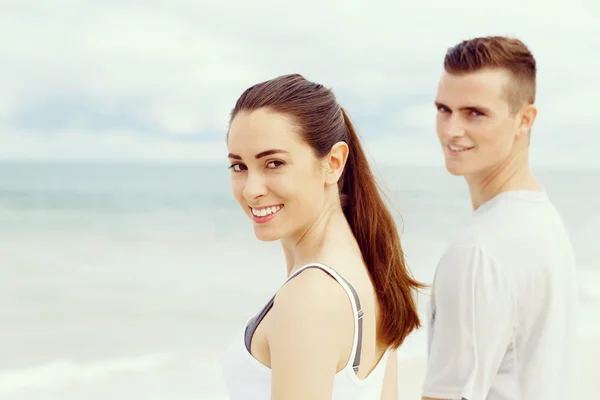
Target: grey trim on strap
point(254, 322)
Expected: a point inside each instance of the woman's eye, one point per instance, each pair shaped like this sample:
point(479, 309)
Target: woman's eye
point(274, 164)
point(236, 167)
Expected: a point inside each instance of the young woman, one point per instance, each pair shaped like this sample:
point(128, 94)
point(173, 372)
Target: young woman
point(299, 173)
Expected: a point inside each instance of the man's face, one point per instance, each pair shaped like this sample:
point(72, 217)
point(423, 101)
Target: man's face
point(474, 124)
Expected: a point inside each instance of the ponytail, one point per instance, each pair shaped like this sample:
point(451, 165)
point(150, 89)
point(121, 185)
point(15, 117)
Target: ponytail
point(379, 241)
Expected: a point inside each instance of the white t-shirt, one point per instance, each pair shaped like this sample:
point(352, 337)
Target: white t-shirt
point(503, 309)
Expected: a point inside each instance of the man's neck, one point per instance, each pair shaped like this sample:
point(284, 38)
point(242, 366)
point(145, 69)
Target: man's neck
point(513, 174)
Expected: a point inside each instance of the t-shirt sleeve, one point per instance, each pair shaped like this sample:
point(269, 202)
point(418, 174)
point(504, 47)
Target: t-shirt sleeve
point(471, 324)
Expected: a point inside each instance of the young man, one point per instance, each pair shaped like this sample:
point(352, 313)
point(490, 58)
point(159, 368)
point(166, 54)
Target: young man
point(502, 312)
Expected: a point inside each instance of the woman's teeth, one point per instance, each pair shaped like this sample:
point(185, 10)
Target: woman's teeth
point(266, 211)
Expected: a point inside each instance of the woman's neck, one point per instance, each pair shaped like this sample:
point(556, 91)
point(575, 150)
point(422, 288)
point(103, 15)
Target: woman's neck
point(304, 247)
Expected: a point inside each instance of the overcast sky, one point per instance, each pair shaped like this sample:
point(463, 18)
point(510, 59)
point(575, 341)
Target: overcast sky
point(156, 80)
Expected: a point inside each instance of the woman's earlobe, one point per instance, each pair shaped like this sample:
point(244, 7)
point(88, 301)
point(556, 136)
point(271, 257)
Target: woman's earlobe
point(333, 177)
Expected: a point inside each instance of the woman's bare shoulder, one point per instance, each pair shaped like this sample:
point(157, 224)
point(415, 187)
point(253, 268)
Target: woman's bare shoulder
point(312, 291)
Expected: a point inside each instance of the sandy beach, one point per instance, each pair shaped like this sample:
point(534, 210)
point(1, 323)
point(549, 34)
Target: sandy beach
point(181, 377)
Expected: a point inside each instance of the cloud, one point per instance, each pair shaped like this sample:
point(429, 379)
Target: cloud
point(101, 79)
point(417, 117)
point(112, 146)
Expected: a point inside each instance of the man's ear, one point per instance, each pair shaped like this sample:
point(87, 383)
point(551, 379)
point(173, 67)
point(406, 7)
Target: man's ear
point(528, 116)
point(335, 162)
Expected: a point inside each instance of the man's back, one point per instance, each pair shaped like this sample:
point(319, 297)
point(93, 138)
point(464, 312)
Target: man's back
point(503, 310)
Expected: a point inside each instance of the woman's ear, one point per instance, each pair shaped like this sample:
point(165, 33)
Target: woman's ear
point(335, 162)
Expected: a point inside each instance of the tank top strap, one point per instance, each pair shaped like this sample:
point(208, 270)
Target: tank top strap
point(354, 300)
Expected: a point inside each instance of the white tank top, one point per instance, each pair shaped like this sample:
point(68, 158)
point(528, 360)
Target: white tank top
point(248, 379)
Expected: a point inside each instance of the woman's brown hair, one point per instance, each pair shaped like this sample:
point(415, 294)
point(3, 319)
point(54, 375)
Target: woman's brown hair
point(322, 122)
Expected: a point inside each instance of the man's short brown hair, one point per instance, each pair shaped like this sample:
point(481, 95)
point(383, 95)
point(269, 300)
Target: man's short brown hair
point(497, 52)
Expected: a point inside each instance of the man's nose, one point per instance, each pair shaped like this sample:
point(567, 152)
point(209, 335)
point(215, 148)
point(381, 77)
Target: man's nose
point(453, 128)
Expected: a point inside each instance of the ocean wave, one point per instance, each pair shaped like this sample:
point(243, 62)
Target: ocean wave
point(58, 373)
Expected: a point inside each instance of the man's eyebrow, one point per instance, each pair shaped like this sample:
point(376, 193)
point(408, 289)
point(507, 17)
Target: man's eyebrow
point(481, 109)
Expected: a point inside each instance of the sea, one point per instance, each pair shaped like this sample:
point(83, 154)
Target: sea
point(128, 281)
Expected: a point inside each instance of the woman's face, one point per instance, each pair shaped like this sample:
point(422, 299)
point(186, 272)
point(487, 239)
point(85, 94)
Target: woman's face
point(275, 176)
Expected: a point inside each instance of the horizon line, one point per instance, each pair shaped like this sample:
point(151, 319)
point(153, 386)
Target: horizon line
point(200, 163)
